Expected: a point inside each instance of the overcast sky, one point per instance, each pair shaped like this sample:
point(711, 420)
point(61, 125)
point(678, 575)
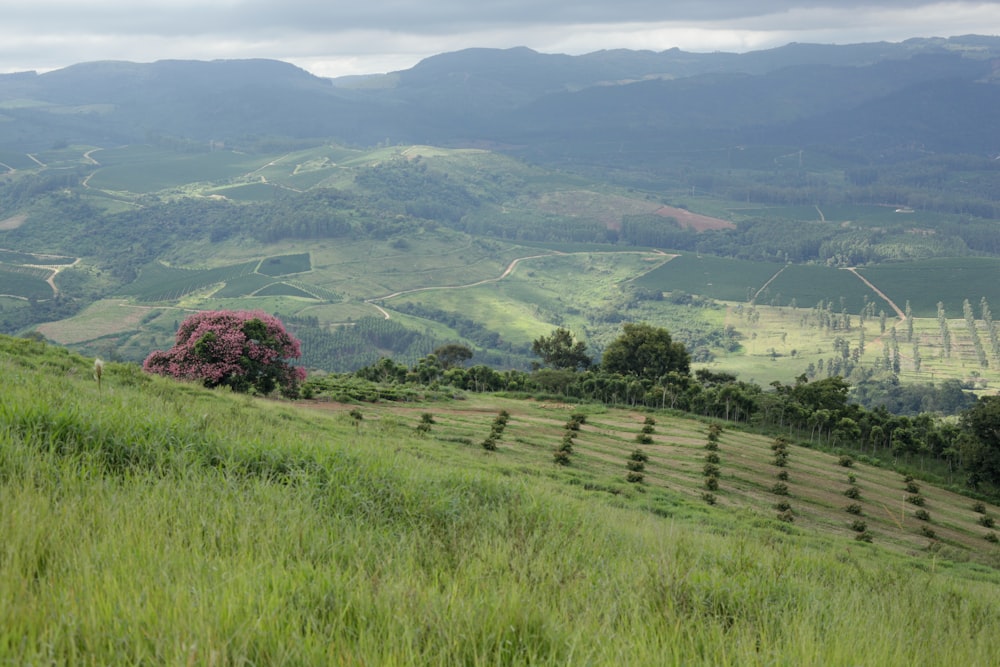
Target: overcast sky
point(337, 37)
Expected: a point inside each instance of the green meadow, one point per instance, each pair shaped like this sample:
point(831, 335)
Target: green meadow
point(153, 522)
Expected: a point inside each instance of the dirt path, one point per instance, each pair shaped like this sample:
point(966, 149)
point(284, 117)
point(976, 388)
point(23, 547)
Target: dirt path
point(892, 304)
point(507, 271)
point(770, 280)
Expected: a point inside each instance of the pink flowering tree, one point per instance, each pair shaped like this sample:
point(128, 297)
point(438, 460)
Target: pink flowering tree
point(242, 349)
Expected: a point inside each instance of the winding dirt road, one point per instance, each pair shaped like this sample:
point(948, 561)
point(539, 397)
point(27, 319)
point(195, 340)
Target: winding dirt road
point(509, 270)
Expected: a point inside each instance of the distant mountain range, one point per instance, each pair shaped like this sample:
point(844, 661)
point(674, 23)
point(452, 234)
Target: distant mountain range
point(933, 94)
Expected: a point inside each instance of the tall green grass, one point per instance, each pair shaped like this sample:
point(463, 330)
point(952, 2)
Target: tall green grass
point(159, 523)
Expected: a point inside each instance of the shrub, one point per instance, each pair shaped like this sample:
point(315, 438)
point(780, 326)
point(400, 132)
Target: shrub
point(566, 446)
point(649, 421)
point(712, 483)
point(859, 526)
point(991, 537)
point(711, 500)
point(572, 426)
point(712, 446)
point(783, 506)
point(907, 479)
point(780, 489)
point(242, 350)
point(578, 417)
point(851, 479)
point(561, 457)
point(786, 516)
point(853, 492)
point(986, 520)
point(712, 457)
point(423, 428)
point(634, 477)
point(782, 475)
point(922, 514)
point(637, 466)
point(781, 460)
point(863, 537)
point(846, 461)
point(639, 455)
point(714, 431)
point(979, 507)
point(644, 439)
point(916, 499)
point(912, 487)
point(646, 428)
point(927, 531)
point(710, 470)
point(427, 418)
point(490, 444)
point(853, 508)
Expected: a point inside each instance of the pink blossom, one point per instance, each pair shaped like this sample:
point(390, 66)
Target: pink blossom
point(239, 349)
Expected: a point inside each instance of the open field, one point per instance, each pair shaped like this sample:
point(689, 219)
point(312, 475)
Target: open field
point(173, 519)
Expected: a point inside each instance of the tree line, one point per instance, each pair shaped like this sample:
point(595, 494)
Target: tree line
point(645, 367)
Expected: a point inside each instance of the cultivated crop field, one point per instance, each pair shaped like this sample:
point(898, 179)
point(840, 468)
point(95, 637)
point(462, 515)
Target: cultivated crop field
point(24, 282)
point(714, 277)
point(102, 318)
point(143, 169)
point(925, 283)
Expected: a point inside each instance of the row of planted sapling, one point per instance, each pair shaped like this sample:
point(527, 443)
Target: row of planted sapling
point(571, 428)
point(636, 463)
point(496, 431)
point(914, 498)
point(712, 461)
point(780, 488)
point(853, 492)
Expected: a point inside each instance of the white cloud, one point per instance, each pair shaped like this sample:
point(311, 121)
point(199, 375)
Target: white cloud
point(349, 37)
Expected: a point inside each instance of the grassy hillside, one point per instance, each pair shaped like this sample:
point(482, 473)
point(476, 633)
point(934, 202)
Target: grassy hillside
point(147, 521)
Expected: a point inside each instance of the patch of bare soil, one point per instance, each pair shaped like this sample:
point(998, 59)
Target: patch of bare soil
point(693, 221)
point(13, 222)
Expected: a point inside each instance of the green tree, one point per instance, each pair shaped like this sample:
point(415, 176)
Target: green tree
point(452, 355)
point(646, 352)
point(242, 350)
point(982, 422)
point(559, 350)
